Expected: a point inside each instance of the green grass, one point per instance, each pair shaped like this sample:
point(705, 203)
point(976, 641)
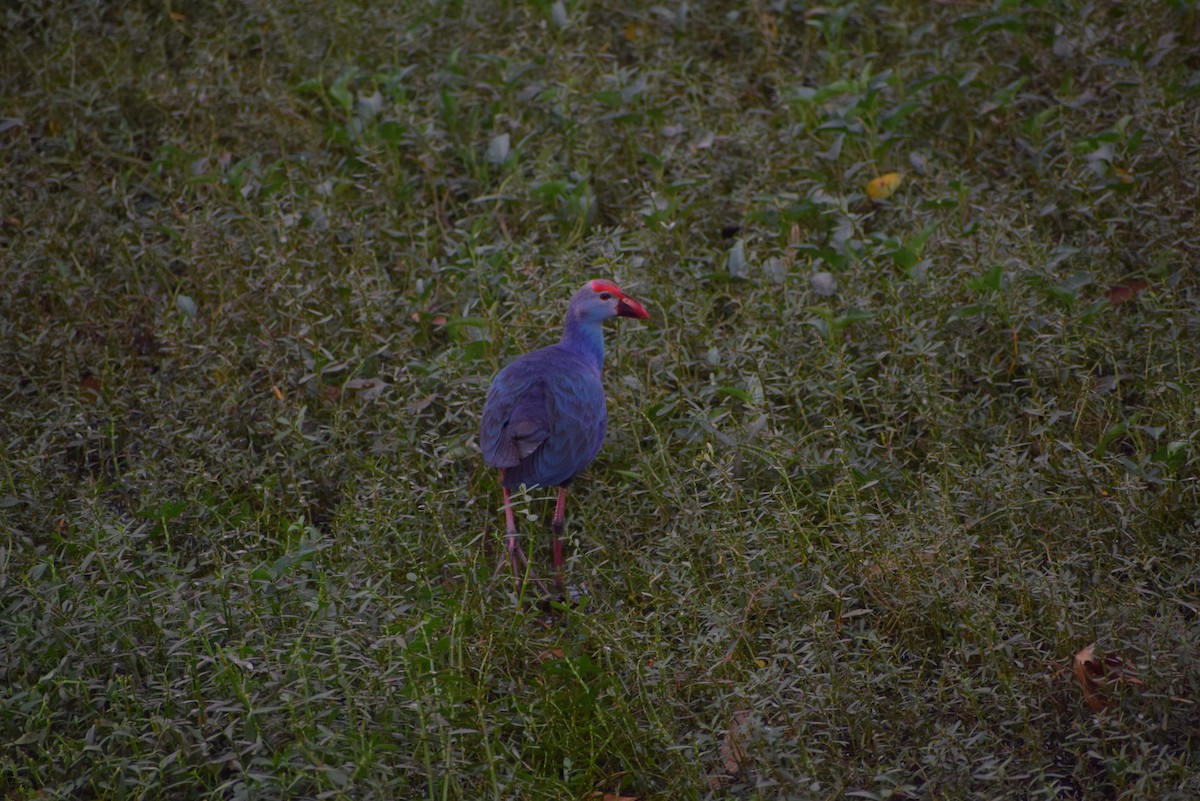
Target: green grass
point(836, 545)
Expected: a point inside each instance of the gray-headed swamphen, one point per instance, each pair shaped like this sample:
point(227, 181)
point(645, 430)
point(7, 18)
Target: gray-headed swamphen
point(544, 418)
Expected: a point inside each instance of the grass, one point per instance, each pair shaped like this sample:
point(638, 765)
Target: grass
point(876, 470)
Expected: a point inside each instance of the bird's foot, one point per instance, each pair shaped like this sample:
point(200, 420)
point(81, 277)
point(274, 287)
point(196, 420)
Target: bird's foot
point(570, 598)
point(575, 595)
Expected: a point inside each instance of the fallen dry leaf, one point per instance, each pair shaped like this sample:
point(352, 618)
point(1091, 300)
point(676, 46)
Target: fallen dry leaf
point(89, 388)
point(882, 187)
point(599, 796)
point(550, 653)
point(1093, 673)
point(368, 389)
point(1125, 292)
point(732, 752)
point(1088, 672)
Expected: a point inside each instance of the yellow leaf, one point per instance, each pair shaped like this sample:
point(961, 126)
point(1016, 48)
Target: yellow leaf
point(883, 186)
point(1123, 175)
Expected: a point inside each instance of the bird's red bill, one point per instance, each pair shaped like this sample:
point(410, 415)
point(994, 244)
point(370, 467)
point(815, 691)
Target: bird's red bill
point(628, 307)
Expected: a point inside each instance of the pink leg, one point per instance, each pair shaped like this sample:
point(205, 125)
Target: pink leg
point(515, 556)
point(556, 530)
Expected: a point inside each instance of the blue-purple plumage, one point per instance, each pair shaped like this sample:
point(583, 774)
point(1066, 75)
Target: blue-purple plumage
point(545, 416)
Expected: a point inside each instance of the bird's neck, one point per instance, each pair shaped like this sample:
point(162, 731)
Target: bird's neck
point(585, 338)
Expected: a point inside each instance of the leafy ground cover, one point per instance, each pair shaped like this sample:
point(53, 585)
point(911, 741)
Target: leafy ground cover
point(915, 421)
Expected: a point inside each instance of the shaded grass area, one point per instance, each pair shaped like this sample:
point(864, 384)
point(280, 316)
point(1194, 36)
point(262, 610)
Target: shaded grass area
point(876, 470)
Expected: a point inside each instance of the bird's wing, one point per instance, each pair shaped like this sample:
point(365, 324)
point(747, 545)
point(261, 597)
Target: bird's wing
point(544, 418)
point(516, 418)
point(577, 429)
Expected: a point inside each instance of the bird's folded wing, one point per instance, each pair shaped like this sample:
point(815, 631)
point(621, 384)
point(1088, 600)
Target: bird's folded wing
point(577, 427)
point(516, 421)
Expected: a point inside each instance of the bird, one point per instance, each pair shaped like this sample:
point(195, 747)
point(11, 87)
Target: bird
point(545, 415)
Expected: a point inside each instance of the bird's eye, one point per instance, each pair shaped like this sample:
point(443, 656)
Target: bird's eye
point(605, 295)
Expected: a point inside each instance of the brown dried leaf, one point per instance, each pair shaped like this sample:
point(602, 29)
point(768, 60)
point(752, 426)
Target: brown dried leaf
point(1089, 672)
point(1117, 669)
point(1125, 292)
point(89, 388)
point(550, 653)
point(599, 796)
point(733, 755)
point(1094, 673)
point(368, 389)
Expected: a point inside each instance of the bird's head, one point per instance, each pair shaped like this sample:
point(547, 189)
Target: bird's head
point(600, 300)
